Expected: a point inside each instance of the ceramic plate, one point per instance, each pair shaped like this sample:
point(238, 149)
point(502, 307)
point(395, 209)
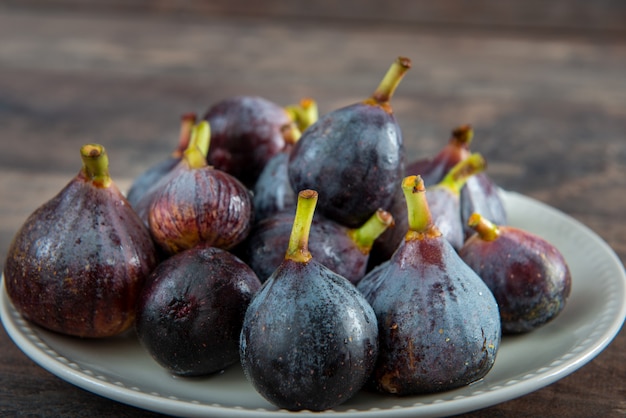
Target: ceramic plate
point(121, 370)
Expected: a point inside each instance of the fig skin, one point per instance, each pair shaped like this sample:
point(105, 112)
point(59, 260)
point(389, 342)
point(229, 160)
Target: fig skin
point(309, 338)
point(353, 156)
point(191, 310)
point(528, 276)
point(201, 206)
point(245, 135)
point(79, 261)
point(439, 326)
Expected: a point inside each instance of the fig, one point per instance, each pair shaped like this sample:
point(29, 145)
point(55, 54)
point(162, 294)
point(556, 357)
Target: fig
point(191, 310)
point(199, 203)
point(439, 326)
point(353, 156)
point(528, 276)
point(479, 194)
point(343, 250)
point(146, 180)
point(272, 192)
point(77, 264)
point(246, 132)
point(444, 205)
point(309, 339)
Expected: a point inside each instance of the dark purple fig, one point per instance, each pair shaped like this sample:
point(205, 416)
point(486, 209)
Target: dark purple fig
point(438, 322)
point(528, 276)
point(445, 207)
point(433, 170)
point(309, 339)
point(246, 131)
point(146, 180)
point(343, 250)
point(199, 204)
point(353, 156)
point(272, 193)
point(481, 195)
point(191, 310)
point(78, 263)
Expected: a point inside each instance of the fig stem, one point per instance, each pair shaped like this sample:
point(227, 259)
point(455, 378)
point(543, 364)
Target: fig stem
point(304, 114)
point(462, 136)
point(418, 212)
point(187, 122)
point(290, 132)
point(96, 165)
point(298, 249)
point(458, 175)
point(391, 80)
point(198, 147)
point(366, 234)
point(487, 230)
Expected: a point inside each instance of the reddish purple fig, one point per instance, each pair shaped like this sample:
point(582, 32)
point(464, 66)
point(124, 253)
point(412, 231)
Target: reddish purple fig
point(78, 263)
point(439, 326)
point(246, 132)
point(528, 276)
point(199, 203)
point(190, 312)
point(353, 156)
point(146, 180)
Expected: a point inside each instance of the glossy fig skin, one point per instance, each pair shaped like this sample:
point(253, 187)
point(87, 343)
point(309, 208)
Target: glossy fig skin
point(329, 244)
point(272, 193)
point(191, 310)
point(439, 326)
point(203, 205)
point(245, 135)
point(301, 351)
point(528, 276)
point(353, 178)
point(78, 263)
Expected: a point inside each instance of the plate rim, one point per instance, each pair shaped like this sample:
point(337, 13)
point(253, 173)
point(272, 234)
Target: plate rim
point(158, 403)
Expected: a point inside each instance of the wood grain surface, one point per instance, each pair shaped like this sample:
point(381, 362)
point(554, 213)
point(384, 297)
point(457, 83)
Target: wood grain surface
point(548, 108)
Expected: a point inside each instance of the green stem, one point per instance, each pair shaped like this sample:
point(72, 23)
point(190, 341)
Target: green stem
point(290, 132)
point(391, 80)
point(96, 165)
point(365, 236)
point(187, 122)
point(487, 230)
point(418, 212)
point(462, 171)
point(298, 249)
point(198, 147)
point(304, 114)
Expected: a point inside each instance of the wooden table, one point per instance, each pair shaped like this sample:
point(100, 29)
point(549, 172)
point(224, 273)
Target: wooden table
point(548, 107)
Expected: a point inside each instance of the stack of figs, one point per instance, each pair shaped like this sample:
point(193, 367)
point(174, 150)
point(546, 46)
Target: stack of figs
point(304, 247)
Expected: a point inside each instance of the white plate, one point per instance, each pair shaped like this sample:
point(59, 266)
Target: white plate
point(121, 370)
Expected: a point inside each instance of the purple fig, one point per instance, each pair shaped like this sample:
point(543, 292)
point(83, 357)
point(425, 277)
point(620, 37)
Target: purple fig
point(309, 339)
point(353, 156)
point(528, 276)
point(191, 310)
point(439, 326)
point(246, 132)
point(199, 204)
point(78, 263)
